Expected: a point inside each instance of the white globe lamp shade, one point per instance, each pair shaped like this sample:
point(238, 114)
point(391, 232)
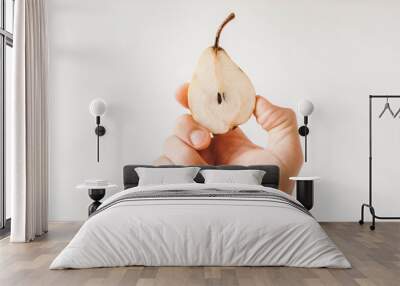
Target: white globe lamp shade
point(97, 107)
point(305, 107)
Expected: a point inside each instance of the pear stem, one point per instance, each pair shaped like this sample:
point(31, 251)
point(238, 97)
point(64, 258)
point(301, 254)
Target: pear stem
point(230, 17)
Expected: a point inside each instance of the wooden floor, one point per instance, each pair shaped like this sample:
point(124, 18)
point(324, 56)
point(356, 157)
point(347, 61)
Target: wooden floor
point(375, 257)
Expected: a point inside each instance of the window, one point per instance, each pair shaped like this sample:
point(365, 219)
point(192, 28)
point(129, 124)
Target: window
point(6, 61)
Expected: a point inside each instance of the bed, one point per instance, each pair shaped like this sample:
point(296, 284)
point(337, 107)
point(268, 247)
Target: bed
point(197, 224)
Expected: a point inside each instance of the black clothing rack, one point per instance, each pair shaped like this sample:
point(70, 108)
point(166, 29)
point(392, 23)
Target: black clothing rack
point(369, 205)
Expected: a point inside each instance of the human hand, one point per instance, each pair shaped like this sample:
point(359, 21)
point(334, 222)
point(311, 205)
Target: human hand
point(192, 144)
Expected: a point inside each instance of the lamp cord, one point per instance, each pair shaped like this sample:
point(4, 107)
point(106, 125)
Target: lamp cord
point(305, 148)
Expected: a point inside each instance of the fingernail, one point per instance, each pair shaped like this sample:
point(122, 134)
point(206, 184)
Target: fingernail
point(197, 137)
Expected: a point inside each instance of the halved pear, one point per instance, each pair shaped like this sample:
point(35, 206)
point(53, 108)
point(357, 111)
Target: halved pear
point(221, 96)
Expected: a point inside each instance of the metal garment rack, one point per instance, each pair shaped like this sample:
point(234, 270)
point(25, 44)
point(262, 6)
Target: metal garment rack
point(369, 205)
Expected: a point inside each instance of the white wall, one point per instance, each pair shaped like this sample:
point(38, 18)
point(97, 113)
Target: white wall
point(134, 54)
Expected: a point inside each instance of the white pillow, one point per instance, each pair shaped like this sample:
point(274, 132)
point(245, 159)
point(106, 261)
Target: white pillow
point(248, 177)
point(162, 176)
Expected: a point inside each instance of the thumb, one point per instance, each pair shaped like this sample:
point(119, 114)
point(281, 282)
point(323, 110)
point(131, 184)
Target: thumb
point(271, 116)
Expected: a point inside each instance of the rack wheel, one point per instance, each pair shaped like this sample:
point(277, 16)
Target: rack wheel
point(372, 227)
point(361, 222)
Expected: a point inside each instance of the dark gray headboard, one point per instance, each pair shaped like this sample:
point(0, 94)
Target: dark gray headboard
point(271, 177)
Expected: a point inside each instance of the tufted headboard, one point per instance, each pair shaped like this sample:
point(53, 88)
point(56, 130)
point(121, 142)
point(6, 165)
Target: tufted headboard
point(271, 177)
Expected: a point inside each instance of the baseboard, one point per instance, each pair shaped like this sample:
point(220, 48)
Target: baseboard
point(65, 221)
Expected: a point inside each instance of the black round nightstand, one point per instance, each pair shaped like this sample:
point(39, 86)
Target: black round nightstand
point(96, 193)
point(305, 190)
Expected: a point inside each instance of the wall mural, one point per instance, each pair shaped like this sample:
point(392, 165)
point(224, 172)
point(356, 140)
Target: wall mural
point(220, 97)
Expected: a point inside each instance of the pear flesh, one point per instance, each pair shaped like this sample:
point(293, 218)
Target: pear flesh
point(221, 96)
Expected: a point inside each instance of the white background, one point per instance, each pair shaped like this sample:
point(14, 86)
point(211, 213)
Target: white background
point(134, 54)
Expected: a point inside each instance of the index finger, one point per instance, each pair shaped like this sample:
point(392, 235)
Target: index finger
point(182, 95)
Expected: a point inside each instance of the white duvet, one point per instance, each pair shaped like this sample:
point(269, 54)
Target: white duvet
point(200, 231)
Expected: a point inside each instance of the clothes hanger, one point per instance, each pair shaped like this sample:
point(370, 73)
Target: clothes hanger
point(387, 107)
point(397, 113)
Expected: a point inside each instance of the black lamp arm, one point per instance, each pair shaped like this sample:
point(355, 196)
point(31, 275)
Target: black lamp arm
point(100, 131)
point(98, 144)
point(303, 131)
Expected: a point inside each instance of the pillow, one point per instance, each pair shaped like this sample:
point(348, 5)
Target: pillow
point(248, 177)
point(162, 176)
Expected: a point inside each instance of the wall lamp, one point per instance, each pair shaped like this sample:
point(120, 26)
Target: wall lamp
point(97, 108)
point(305, 108)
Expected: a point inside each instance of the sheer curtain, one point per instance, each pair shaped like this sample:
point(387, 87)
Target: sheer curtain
point(27, 122)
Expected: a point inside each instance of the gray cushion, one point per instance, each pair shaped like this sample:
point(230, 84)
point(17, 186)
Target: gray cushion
point(248, 177)
point(163, 176)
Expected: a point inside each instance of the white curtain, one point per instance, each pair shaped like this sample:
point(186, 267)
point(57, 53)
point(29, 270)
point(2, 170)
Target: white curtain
point(28, 159)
